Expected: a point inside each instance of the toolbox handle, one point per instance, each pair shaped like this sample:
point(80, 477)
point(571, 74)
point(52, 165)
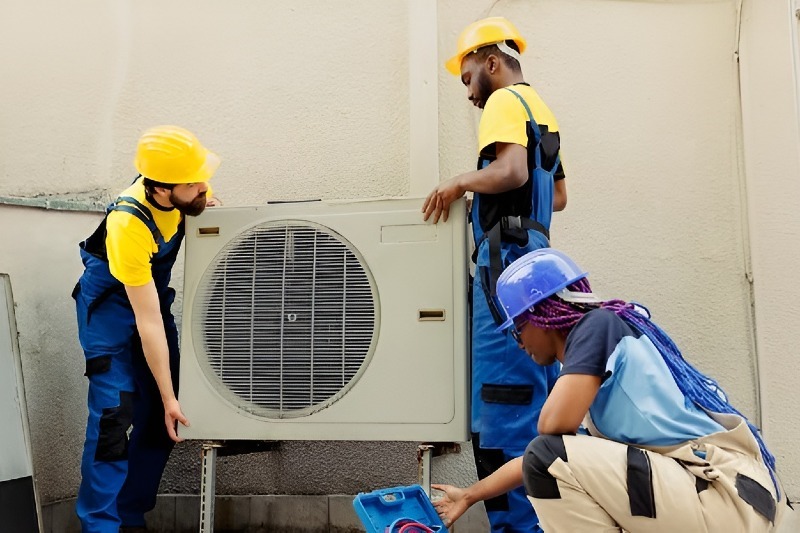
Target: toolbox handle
point(391, 497)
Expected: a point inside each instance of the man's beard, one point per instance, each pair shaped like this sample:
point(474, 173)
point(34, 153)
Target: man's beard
point(484, 88)
point(192, 208)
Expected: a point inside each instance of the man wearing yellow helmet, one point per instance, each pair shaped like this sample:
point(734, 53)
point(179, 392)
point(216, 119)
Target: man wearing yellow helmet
point(128, 333)
point(518, 184)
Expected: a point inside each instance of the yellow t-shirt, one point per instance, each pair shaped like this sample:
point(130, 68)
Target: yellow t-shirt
point(504, 117)
point(130, 245)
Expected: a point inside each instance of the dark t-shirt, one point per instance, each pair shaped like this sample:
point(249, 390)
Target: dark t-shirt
point(592, 341)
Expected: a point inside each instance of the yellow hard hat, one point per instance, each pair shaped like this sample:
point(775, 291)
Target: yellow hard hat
point(484, 32)
point(170, 154)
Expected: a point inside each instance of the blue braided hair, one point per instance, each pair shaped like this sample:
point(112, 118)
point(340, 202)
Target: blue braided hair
point(705, 392)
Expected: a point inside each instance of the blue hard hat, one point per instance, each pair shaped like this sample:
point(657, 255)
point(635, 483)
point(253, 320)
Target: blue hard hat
point(532, 278)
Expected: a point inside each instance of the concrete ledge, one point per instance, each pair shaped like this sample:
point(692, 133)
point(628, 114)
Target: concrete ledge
point(180, 513)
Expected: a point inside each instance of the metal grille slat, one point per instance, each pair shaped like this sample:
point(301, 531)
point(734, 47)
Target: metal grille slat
point(285, 318)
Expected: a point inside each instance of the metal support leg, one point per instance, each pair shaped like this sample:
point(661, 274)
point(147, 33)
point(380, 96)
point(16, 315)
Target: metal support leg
point(424, 461)
point(207, 486)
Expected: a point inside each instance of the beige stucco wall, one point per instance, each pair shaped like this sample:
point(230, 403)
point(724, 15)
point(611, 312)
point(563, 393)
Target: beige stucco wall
point(770, 53)
point(310, 99)
point(650, 132)
point(39, 254)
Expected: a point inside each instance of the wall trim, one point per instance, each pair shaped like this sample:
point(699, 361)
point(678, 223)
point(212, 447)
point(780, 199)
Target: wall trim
point(55, 204)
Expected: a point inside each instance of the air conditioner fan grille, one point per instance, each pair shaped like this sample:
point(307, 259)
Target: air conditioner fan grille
point(286, 316)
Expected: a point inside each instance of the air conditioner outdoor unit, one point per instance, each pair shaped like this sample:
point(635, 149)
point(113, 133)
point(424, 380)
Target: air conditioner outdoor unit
point(325, 321)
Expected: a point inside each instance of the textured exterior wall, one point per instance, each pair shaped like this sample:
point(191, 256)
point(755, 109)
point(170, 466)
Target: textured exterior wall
point(770, 54)
point(310, 100)
point(40, 256)
point(300, 99)
point(650, 134)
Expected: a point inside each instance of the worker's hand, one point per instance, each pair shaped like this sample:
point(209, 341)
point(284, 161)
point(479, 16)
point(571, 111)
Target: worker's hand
point(452, 505)
point(213, 202)
point(438, 201)
point(173, 415)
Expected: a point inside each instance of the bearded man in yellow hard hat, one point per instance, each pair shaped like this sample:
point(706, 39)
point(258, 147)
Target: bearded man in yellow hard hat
point(518, 184)
point(128, 333)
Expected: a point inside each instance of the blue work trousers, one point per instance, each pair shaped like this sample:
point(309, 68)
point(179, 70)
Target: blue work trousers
point(508, 392)
point(127, 445)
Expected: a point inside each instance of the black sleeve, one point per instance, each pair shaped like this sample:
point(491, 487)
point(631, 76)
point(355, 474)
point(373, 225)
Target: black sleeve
point(592, 341)
point(559, 173)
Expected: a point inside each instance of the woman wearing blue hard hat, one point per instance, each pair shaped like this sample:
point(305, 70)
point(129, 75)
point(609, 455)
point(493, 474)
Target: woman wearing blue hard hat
point(632, 436)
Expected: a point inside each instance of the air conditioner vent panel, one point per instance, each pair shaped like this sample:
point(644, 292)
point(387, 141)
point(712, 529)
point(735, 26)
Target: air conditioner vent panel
point(286, 316)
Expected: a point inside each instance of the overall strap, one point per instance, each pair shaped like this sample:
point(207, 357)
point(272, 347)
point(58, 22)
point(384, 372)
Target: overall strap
point(139, 205)
point(537, 151)
point(527, 109)
point(141, 212)
point(495, 268)
point(535, 128)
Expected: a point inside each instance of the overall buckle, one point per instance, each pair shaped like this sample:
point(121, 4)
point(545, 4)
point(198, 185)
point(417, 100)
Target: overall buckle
point(511, 222)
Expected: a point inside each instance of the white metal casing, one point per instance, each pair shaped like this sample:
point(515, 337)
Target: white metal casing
point(414, 381)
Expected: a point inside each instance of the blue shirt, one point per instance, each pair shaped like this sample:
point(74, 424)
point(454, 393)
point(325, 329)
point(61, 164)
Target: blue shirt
point(639, 401)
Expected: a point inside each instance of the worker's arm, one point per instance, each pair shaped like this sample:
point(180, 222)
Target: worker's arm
point(149, 322)
point(559, 195)
point(509, 171)
point(567, 404)
point(456, 501)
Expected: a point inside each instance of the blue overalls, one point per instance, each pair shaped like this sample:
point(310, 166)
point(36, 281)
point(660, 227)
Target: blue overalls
point(120, 475)
point(508, 388)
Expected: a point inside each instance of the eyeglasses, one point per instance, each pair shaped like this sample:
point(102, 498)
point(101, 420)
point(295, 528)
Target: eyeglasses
point(516, 330)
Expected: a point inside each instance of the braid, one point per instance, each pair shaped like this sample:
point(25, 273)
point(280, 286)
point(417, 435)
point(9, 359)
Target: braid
point(705, 392)
point(555, 313)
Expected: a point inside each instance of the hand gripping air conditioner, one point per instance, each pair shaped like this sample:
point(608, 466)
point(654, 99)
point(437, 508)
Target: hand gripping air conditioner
point(325, 321)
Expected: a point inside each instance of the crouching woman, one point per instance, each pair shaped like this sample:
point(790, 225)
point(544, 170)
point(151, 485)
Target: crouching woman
point(632, 436)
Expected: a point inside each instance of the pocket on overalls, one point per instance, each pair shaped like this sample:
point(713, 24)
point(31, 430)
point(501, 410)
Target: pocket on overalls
point(507, 394)
point(112, 441)
point(98, 365)
point(506, 418)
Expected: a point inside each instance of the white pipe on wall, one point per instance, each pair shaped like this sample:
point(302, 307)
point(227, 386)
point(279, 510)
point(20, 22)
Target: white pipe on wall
point(794, 21)
point(423, 97)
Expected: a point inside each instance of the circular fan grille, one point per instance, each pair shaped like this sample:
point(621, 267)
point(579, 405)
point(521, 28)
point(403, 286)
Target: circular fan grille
point(286, 315)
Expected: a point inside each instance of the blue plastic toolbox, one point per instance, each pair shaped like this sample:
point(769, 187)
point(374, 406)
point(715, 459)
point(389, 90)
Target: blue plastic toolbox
point(394, 509)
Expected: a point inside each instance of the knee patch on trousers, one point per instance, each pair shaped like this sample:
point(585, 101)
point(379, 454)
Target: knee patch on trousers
point(112, 442)
point(540, 454)
point(757, 496)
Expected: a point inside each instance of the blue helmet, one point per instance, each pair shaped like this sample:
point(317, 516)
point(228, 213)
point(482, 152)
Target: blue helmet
point(532, 278)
